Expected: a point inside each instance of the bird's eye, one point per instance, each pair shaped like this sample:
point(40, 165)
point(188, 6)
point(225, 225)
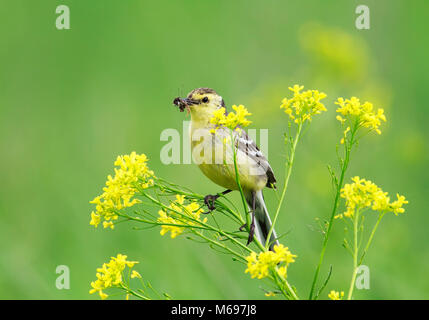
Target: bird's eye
point(205, 100)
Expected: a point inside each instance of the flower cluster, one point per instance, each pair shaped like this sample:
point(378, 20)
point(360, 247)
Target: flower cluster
point(231, 120)
point(110, 275)
point(132, 173)
point(177, 216)
point(335, 295)
point(363, 114)
point(303, 105)
point(259, 265)
point(365, 194)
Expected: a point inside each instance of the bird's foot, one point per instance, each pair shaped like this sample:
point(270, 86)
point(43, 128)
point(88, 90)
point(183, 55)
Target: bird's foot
point(209, 201)
point(251, 232)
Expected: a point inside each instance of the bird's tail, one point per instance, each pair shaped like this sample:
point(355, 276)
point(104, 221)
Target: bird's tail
point(262, 218)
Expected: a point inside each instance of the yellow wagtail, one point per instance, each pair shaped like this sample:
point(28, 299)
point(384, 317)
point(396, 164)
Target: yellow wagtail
point(216, 161)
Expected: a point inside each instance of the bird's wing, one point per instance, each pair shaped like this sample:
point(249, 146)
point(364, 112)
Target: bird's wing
point(249, 147)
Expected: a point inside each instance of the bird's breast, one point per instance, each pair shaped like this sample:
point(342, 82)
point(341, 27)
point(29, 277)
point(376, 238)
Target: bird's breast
point(214, 155)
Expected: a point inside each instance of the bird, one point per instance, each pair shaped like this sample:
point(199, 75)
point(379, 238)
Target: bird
point(216, 161)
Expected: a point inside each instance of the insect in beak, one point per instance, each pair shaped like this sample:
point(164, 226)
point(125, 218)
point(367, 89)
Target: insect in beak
point(183, 103)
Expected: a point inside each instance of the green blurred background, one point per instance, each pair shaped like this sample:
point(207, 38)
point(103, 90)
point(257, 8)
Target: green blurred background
point(72, 100)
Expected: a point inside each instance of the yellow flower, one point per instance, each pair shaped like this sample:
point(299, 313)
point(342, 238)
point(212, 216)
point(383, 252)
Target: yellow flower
point(180, 214)
point(259, 265)
point(396, 206)
point(362, 114)
point(131, 173)
point(103, 296)
point(340, 118)
point(164, 218)
point(231, 120)
point(108, 224)
point(135, 274)
point(270, 294)
point(282, 271)
point(239, 118)
point(345, 134)
point(95, 219)
point(365, 194)
point(110, 274)
point(303, 105)
point(335, 295)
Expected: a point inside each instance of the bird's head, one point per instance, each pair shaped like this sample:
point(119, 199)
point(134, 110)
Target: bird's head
point(201, 103)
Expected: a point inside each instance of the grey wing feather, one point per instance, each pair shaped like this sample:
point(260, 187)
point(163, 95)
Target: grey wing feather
point(247, 145)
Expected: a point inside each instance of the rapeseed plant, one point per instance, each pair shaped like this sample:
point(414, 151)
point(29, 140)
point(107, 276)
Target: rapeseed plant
point(177, 211)
point(111, 276)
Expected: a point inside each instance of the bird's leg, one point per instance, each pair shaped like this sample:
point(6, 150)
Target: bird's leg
point(252, 224)
point(210, 200)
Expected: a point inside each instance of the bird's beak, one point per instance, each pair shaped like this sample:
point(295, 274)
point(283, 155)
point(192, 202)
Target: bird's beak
point(184, 103)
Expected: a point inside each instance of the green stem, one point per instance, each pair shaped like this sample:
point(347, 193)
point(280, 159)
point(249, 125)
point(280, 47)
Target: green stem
point(134, 293)
point(237, 179)
point(222, 246)
point(281, 287)
point(290, 291)
point(289, 165)
point(200, 197)
point(355, 254)
point(204, 225)
point(371, 236)
point(348, 147)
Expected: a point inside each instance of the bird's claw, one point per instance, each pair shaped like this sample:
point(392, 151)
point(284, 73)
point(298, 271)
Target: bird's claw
point(251, 232)
point(209, 201)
